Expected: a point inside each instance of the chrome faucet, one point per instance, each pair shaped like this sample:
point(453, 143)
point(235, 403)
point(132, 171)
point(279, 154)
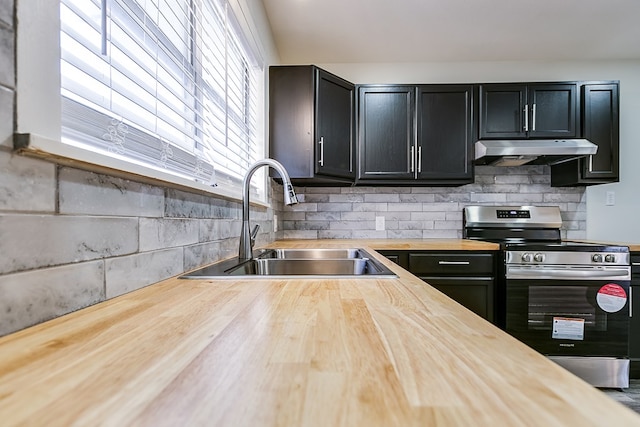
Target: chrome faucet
point(247, 238)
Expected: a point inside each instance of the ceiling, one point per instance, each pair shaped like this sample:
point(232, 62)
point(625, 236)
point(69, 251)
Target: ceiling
point(361, 31)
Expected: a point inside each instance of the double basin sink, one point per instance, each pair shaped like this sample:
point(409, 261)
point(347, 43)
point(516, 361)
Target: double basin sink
point(352, 262)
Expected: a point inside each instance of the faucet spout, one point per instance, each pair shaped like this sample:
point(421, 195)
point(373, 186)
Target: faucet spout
point(245, 250)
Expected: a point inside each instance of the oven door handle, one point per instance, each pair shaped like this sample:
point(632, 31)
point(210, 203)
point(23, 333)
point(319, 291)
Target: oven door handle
point(517, 272)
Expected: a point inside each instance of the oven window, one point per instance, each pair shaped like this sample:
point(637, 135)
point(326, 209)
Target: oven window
point(571, 302)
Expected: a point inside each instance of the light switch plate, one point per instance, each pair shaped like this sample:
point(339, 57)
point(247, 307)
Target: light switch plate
point(275, 223)
point(379, 223)
point(610, 198)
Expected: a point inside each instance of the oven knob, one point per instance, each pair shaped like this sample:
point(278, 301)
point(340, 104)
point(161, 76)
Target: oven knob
point(596, 258)
point(609, 258)
point(538, 257)
point(527, 257)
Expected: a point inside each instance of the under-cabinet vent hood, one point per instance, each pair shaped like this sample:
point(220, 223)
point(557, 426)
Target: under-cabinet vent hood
point(531, 151)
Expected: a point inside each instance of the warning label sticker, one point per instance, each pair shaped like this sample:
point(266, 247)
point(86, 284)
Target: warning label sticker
point(565, 328)
point(611, 298)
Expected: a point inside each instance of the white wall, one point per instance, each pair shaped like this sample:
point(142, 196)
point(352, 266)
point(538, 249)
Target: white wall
point(610, 223)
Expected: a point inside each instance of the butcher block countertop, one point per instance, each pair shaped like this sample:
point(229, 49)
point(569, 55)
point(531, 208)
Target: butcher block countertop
point(294, 352)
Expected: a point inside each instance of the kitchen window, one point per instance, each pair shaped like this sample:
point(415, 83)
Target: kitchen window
point(172, 87)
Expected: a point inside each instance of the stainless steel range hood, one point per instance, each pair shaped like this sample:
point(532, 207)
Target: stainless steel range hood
point(531, 151)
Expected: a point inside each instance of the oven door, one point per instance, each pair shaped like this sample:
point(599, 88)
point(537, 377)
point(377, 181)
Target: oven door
point(569, 311)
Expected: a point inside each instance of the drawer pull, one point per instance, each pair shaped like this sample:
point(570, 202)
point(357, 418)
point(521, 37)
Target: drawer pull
point(453, 262)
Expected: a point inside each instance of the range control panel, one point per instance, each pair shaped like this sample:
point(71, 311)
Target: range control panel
point(567, 258)
point(511, 213)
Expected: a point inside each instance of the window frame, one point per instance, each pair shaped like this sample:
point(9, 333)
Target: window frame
point(38, 106)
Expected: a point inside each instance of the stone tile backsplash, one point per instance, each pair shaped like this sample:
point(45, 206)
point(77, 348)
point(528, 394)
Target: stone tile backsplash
point(42, 294)
point(126, 274)
point(34, 241)
point(87, 237)
point(427, 212)
point(82, 192)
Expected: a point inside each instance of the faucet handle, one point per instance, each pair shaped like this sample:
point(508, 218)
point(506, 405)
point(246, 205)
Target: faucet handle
point(254, 232)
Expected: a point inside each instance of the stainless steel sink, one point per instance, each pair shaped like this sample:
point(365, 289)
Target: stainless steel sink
point(297, 263)
point(312, 253)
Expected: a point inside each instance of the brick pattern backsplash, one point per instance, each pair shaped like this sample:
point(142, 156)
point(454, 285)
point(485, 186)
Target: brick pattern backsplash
point(427, 212)
point(85, 237)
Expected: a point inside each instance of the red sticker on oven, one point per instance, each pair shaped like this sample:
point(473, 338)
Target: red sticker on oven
point(611, 298)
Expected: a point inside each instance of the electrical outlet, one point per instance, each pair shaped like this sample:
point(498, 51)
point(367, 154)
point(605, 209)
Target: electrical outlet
point(379, 223)
point(610, 198)
point(275, 223)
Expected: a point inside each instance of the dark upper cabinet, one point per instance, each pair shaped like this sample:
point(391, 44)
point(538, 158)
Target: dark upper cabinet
point(415, 135)
point(600, 125)
point(386, 133)
point(311, 124)
point(536, 110)
point(445, 133)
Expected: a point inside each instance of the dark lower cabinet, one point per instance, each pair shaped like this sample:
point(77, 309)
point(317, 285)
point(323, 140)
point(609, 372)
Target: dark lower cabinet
point(468, 277)
point(634, 328)
point(600, 125)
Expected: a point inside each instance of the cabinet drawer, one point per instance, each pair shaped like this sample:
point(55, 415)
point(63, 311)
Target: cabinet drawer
point(451, 264)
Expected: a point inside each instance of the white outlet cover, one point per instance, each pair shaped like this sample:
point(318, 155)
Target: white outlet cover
point(379, 223)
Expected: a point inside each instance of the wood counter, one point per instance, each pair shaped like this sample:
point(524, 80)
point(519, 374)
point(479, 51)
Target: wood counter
point(313, 352)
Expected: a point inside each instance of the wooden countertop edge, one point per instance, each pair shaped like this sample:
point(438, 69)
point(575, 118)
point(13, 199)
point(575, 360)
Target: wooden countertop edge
point(392, 244)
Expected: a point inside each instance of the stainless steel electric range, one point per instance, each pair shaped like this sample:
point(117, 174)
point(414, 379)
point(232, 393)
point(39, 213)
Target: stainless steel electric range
point(568, 300)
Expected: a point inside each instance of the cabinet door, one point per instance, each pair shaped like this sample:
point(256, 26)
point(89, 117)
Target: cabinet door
point(600, 125)
point(476, 294)
point(386, 132)
point(291, 119)
point(308, 105)
point(552, 110)
point(528, 111)
point(334, 125)
point(445, 133)
point(502, 108)
point(600, 119)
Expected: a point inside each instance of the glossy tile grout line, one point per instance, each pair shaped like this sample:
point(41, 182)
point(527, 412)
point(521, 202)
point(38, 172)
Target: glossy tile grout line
point(630, 397)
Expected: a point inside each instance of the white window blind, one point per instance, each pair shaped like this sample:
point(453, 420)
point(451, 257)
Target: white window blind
point(169, 84)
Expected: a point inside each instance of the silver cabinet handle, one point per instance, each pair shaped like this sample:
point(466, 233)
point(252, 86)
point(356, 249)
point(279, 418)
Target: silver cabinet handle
point(533, 116)
point(453, 262)
point(413, 159)
point(526, 117)
point(321, 143)
point(419, 158)
point(630, 301)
